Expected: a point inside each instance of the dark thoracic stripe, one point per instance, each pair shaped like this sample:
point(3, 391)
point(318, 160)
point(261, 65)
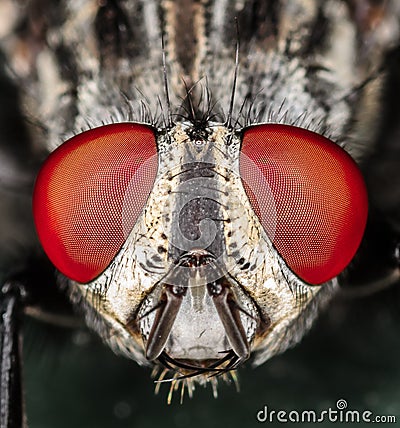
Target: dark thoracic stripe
point(125, 30)
point(114, 33)
point(319, 32)
point(259, 20)
point(185, 38)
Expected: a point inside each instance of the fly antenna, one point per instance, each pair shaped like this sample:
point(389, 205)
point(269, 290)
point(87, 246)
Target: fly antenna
point(232, 101)
point(166, 87)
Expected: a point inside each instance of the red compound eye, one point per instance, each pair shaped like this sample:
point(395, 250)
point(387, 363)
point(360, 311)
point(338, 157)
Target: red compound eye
point(316, 206)
point(89, 194)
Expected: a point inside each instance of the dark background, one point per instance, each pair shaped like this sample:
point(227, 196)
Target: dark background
point(353, 353)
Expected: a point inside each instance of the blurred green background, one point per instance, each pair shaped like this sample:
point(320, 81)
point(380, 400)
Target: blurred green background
point(352, 353)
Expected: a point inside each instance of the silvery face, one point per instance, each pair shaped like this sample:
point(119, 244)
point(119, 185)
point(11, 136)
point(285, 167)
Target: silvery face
point(198, 285)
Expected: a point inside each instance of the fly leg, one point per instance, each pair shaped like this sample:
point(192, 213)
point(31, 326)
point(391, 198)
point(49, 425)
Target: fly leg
point(12, 297)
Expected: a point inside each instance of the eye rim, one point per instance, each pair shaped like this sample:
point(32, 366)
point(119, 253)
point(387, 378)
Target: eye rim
point(321, 139)
point(50, 164)
point(240, 133)
point(105, 124)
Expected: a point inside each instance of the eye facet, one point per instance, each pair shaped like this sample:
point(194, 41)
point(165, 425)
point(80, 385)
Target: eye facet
point(89, 194)
point(317, 211)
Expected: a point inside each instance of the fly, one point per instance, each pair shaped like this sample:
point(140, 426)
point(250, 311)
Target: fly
point(198, 200)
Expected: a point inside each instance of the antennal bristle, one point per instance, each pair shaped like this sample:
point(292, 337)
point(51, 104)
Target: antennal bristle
point(232, 101)
point(166, 87)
